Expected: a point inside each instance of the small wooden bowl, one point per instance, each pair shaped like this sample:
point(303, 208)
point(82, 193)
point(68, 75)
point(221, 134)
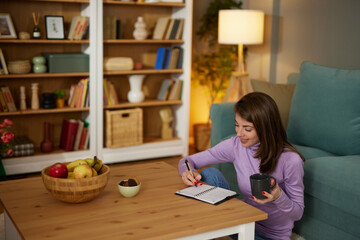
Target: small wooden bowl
point(76, 190)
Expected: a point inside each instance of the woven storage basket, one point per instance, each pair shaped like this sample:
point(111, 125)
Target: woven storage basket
point(124, 128)
point(76, 190)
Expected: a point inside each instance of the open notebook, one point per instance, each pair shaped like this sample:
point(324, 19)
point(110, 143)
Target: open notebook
point(207, 193)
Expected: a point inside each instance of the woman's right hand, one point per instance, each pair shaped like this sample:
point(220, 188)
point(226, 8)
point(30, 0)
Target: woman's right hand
point(190, 180)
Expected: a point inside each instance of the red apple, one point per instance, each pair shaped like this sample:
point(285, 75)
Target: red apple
point(58, 170)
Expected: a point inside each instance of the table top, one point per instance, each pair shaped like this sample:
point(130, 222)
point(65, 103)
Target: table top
point(156, 212)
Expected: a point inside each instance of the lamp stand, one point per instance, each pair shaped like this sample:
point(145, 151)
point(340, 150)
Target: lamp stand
point(240, 58)
point(237, 87)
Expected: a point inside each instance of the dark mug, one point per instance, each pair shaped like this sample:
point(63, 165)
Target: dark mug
point(260, 182)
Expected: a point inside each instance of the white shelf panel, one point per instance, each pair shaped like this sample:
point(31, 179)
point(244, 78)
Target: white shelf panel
point(32, 164)
point(144, 151)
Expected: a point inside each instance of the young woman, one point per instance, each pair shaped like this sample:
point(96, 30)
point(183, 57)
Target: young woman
point(260, 146)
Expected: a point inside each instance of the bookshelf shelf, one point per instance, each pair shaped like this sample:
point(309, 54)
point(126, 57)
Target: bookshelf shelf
point(146, 103)
point(144, 71)
point(45, 75)
point(146, 41)
point(44, 41)
point(45, 111)
point(62, 1)
point(159, 4)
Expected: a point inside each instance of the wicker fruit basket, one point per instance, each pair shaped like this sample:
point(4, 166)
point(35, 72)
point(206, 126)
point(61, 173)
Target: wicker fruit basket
point(76, 190)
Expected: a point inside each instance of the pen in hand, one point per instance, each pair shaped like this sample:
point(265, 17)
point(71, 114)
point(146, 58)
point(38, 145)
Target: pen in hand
point(189, 169)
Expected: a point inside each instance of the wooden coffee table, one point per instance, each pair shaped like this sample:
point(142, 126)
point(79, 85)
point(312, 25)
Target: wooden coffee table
point(155, 213)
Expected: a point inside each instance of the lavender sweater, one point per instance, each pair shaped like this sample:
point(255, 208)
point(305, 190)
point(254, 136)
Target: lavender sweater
point(288, 173)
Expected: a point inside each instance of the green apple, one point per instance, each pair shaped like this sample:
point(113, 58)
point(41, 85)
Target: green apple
point(83, 171)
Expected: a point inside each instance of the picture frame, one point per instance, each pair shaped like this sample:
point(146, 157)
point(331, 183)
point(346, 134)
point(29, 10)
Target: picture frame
point(3, 67)
point(7, 29)
point(54, 26)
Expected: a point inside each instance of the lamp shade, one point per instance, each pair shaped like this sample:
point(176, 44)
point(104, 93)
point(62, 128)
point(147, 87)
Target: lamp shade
point(238, 26)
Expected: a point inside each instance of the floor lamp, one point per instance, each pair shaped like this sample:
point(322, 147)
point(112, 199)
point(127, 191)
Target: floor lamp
point(238, 26)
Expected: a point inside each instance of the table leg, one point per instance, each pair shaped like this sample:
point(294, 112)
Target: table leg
point(11, 232)
point(245, 231)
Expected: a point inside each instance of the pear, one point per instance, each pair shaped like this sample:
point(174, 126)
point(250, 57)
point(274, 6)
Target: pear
point(71, 166)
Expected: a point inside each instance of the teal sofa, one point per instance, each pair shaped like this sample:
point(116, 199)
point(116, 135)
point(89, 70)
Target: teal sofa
point(323, 125)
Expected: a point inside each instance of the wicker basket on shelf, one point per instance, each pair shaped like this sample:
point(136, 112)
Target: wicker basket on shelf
point(124, 128)
point(76, 190)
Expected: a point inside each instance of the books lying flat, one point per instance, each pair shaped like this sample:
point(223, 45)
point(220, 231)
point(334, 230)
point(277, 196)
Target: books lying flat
point(207, 193)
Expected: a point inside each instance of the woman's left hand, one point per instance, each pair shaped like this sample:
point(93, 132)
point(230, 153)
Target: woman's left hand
point(275, 194)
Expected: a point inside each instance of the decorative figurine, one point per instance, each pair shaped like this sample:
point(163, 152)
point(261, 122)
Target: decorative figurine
point(39, 64)
point(34, 96)
point(140, 32)
point(22, 98)
point(166, 118)
point(36, 31)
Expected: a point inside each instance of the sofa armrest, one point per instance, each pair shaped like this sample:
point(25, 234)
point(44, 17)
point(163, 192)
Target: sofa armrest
point(222, 118)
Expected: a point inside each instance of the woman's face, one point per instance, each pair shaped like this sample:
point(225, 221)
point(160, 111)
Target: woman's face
point(245, 131)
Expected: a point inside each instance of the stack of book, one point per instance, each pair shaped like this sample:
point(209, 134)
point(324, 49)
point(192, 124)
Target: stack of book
point(169, 58)
point(170, 89)
point(7, 103)
point(111, 27)
point(79, 94)
point(109, 93)
point(23, 147)
point(74, 135)
point(79, 28)
point(168, 28)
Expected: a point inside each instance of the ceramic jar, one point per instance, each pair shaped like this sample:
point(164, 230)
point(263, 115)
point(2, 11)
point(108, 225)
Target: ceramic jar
point(140, 32)
point(135, 94)
point(39, 64)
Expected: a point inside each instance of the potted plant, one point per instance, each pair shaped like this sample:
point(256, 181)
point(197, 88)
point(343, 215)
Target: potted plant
point(60, 98)
point(212, 69)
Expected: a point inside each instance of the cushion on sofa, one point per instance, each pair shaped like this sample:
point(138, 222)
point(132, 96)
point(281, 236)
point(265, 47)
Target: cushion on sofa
point(281, 93)
point(310, 152)
point(335, 180)
point(325, 109)
point(221, 115)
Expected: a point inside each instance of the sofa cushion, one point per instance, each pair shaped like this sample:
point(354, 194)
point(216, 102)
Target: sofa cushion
point(223, 122)
point(325, 109)
point(310, 152)
point(335, 180)
point(281, 93)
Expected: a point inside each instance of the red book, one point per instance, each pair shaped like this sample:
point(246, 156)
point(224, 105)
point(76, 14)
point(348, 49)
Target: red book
point(83, 138)
point(68, 134)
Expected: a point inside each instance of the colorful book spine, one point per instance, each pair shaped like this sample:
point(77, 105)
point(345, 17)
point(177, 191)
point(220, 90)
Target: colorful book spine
point(68, 134)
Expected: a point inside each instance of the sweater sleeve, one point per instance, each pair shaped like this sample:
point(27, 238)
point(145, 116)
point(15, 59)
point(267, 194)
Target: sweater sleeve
point(291, 200)
point(222, 152)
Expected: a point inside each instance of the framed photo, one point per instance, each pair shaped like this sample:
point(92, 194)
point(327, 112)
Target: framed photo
point(54, 27)
point(7, 29)
point(3, 67)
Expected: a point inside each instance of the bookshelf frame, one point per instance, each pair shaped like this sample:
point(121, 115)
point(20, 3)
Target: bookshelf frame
point(153, 146)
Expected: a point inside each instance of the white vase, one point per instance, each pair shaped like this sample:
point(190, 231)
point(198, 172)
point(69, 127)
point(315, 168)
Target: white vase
point(135, 94)
point(140, 32)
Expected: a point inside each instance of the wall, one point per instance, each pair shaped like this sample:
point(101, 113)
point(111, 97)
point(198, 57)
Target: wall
point(323, 31)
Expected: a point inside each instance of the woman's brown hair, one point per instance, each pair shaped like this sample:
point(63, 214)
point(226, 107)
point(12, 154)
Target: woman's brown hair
point(261, 110)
